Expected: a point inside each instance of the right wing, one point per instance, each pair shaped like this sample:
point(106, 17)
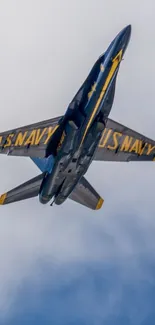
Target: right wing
point(85, 194)
point(30, 140)
point(120, 143)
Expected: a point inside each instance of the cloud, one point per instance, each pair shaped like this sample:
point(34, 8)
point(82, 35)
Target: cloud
point(108, 290)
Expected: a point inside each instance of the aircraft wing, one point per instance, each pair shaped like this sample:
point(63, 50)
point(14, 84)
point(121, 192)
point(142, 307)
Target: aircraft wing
point(119, 143)
point(30, 140)
point(86, 195)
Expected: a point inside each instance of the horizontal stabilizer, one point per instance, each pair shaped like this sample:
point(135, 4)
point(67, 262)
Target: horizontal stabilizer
point(85, 194)
point(24, 191)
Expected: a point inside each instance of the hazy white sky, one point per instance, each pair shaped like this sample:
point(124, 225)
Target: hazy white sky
point(47, 49)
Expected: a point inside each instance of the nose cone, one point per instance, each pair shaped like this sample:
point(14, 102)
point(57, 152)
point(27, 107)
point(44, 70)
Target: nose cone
point(124, 37)
point(120, 42)
point(126, 30)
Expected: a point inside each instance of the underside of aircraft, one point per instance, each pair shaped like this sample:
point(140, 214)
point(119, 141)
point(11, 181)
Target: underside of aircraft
point(64, 147)
point(118, 144)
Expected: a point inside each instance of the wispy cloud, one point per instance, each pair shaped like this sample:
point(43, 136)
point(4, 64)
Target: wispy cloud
point(110, 291)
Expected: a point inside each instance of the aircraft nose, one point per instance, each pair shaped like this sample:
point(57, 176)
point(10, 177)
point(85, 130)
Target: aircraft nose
point(124, 37)
point(120, 42)
point(127, 30)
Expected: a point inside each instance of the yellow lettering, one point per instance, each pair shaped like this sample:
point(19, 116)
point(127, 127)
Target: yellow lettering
point(126, 143)
point(115, 139)
point(39, 135)
point(20, 138)
point(31, 139)
point(150, 149)
point(102, 145)
point(135, 146)
point(51, 130)
point(142, 147)
point(8, 140)
point(102, 137)
point(0, 140)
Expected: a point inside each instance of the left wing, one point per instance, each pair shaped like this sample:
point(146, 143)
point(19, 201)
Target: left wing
point(86, 195)
point(119, 143)
point(30, 140)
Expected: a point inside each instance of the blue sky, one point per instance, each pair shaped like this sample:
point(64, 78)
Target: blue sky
point(96, 296)
point(67, 264)
point(115, 290)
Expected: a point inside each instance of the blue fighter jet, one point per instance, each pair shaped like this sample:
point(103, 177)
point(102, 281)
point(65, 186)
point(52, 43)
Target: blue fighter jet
point(64, 147)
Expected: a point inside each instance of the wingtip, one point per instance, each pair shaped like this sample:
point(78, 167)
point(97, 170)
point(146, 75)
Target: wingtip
point(3, 198)
point(99, 204)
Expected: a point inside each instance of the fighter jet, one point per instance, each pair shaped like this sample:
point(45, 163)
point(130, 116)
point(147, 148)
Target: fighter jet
point(64, 147)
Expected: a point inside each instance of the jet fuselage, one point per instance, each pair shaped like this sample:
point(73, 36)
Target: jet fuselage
point(79, 132)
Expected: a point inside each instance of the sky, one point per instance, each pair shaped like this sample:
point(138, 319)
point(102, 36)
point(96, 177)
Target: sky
point(67, 264)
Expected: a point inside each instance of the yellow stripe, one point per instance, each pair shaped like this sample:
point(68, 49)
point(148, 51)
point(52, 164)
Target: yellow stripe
point(99, 204)
point(115, 64)
point(2, 198)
